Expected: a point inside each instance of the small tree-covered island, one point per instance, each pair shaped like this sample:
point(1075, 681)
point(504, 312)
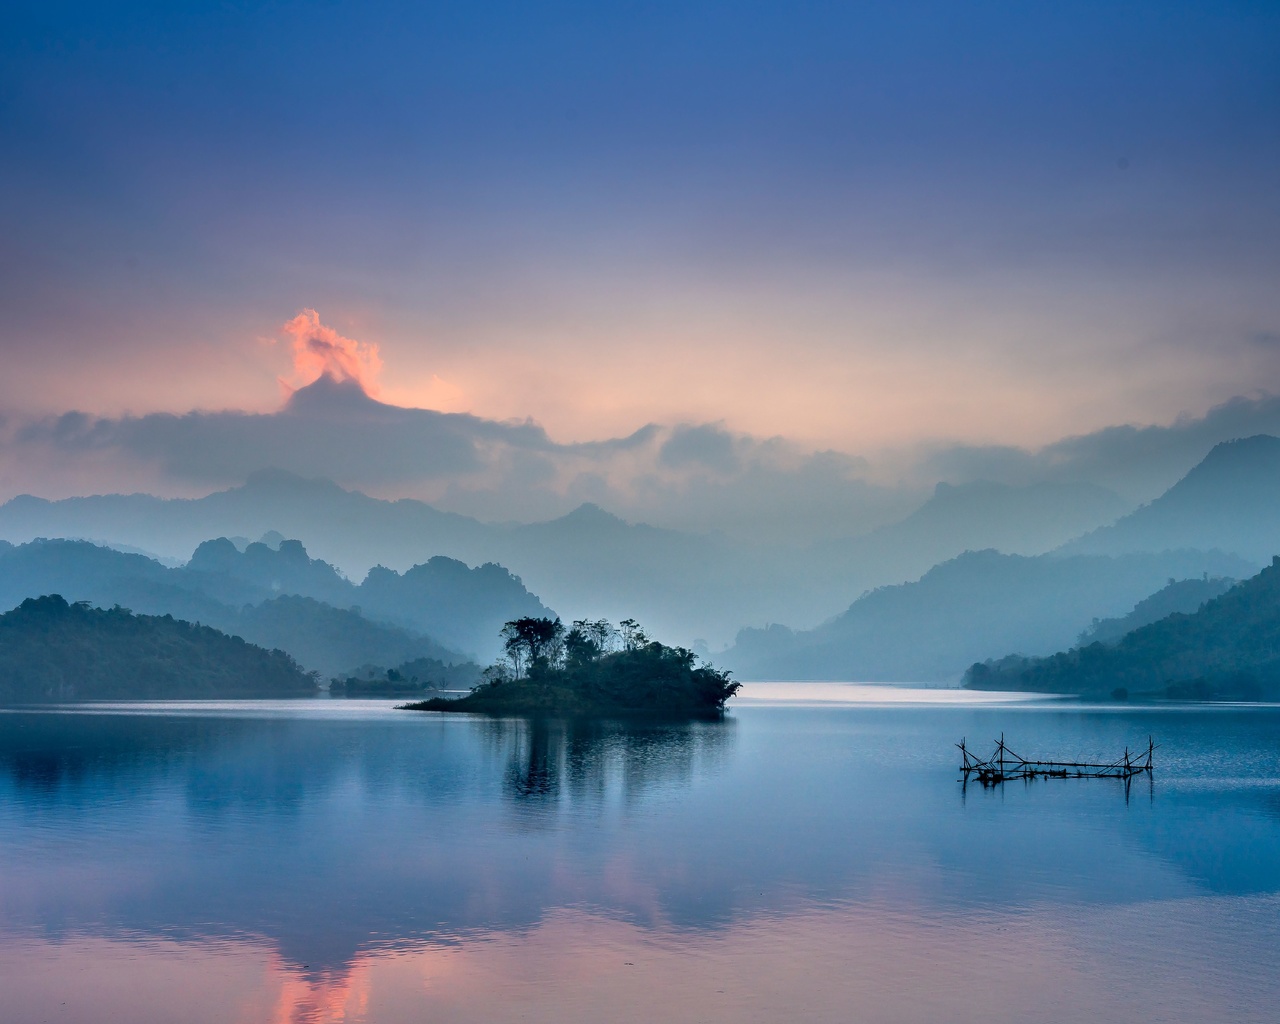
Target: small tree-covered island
point(591, 669)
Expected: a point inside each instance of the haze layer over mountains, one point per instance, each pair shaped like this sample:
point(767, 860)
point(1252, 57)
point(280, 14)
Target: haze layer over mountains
point(978, 569)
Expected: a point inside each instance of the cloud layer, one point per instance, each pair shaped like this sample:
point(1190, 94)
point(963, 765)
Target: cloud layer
point(696, 476)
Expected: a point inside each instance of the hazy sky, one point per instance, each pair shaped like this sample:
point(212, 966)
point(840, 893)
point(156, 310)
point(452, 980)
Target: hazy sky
point(850, 226)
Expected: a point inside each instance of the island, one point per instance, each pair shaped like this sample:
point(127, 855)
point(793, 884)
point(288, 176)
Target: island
point(1227, 650)
point(54, 651)
point(591, 670)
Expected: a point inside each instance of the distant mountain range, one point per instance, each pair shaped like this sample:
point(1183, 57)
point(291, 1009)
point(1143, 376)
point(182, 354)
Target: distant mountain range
point(1231, 501)
point(976, 516)
point(964, 610)
point(1221, 520)
point(1227, 649)
point(588, 563)
point(282, 598)
point(688, 587)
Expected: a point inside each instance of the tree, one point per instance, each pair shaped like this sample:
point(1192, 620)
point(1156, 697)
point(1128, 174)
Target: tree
point(633, 636)
point(588, 641)
point(533, 644)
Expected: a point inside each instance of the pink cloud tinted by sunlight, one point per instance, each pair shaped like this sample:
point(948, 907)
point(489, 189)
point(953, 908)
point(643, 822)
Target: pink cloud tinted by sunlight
point(321, 351)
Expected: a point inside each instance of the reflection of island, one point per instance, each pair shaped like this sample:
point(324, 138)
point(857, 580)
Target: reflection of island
point(593, 670)
point(579, 760)
point(385, 814)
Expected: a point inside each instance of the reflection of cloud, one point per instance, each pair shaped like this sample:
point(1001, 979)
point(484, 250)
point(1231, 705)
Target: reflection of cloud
point(1175, 959)
point(330, 997)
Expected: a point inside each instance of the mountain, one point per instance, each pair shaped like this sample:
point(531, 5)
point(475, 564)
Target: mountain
point(54, 651)
point(331, 640)
point(1229, 501)
point(461, 606)
point(975, 606)
point(1184, 596)
point(1026, 520)
point(588, 563)
point(353, 529)
point(1228, 649)
point(242, 595)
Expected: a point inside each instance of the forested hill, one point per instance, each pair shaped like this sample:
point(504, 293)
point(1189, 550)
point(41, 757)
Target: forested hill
point(977, 606)
point(1228, 650)
point(277, 598)
point(54, 651)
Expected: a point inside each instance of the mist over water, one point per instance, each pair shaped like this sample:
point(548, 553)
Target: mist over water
point(814, 852)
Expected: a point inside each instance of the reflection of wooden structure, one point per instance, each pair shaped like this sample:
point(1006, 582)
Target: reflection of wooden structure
point(1004, 765)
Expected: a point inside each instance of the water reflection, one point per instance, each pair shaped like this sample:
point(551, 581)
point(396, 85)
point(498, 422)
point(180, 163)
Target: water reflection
point(550, 760)
point(326, 853)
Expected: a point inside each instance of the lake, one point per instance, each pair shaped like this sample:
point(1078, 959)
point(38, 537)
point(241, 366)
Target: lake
point(814, 857)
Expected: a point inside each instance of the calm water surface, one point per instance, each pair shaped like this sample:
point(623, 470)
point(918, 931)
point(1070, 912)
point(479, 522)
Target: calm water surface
point(812, 858)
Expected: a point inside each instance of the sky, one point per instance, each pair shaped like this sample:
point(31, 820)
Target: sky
point(783, 238)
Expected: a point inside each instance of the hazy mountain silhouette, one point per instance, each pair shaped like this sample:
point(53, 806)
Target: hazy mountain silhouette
point(587, 563)
point(262, 595)
point(354, 530)
point(1228, 649)
point(1027, 520)
point(334, 640)
point(1185, 596)
point(1230, 501)
point(979, 605)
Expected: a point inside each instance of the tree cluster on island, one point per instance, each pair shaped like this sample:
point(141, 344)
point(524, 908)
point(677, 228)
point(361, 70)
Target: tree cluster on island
point(52, 650)
point(1229, 649)
point(591, 668)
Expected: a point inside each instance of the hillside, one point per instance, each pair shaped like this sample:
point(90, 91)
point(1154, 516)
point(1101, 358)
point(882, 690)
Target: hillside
point(54, 651)
point(1177, 596)
point(332, 640)
point(976, 606)
point(319, 636)
point(460, 606)
point(1228, 650)
point(977, 516)
point(1229, 501)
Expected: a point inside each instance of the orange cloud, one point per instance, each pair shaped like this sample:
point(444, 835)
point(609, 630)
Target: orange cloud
point(319, 350)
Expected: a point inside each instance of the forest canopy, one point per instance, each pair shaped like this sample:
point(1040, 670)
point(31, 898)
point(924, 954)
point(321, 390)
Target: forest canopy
point(51, 650)
point(1229, 649)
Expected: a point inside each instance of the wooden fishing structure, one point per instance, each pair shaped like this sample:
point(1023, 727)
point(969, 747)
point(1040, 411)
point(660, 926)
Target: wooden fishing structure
point(1004, 765)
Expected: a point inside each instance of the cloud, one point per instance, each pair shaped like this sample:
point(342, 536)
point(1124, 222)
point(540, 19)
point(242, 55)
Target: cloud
point(321, 351)
point(708, 446)
point(694, 476)
point(1138, 462)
